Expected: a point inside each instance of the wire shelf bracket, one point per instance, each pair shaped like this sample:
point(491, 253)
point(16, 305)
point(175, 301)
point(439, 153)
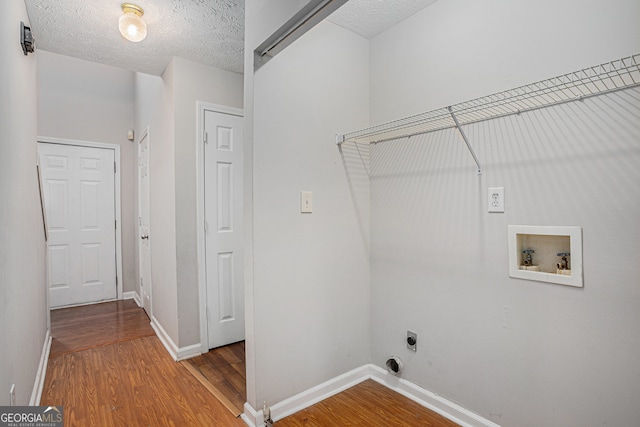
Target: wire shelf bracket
point(466, 141)
point(599, 79)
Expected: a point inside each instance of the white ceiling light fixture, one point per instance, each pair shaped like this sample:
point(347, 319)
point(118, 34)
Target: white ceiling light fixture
point(131, 25)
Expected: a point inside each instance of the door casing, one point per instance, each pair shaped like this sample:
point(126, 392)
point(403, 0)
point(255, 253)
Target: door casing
point(148, 285)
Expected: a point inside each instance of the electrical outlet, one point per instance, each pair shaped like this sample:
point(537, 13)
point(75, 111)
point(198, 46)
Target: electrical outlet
point(496, 199)
point(412, 341)
point(12, 395)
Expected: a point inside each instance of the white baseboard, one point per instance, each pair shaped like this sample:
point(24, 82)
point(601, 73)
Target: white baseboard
point(318, 393)
point(177, 353)
point(188, 352)
point(38, 384)
point(251, 417)
point(426, 398)
point(307, 398)
point(134, 296)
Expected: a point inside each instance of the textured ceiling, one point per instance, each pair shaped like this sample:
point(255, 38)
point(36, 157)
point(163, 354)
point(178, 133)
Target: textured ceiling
point(210, 32)
point(371, 17)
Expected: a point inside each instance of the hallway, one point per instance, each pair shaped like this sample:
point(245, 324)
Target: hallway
point(107, 368)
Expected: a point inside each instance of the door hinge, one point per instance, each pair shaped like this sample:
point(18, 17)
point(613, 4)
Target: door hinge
point(206, 137)
point(207, 310)
point(206, 227)
point(116, 281)
point(115, 224)
point(114, 167)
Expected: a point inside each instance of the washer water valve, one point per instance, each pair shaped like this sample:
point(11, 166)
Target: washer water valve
point(412, 340)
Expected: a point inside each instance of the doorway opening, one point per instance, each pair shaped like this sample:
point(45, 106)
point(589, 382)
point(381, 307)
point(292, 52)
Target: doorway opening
point(220, 253)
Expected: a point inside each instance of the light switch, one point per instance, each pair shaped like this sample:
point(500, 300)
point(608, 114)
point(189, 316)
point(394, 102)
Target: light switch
point(306, 202)
point(496, 199)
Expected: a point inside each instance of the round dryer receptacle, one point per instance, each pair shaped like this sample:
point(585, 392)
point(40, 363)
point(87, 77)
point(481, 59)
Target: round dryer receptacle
point(394, 365)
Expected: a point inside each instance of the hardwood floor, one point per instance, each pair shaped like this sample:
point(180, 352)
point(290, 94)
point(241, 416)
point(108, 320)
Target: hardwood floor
point(367, 404)
point(107, 368)
point(222, 370)
point(90, 326)
point(121, 376)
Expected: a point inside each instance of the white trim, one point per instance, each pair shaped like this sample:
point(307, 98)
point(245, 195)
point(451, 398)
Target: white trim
point(575, 245)
point(318, 393)
point(118, 213)
point(134, 296)
point(423, 397)
point(76, 142)
point(201, 107)
point(38, 384)
point(82, 304)
point(176, 353)
point(428, 399)
point(188, 352)
point(145, 134)
point(251, 417)
point(168, 343)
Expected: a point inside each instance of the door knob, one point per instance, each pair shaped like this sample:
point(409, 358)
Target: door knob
point(144, 236)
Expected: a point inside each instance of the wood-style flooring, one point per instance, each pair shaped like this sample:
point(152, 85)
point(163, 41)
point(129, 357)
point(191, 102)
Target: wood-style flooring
point(95, 325)
point(222, 370)
point(367, 404)
point(114, 377)
point(107, 368)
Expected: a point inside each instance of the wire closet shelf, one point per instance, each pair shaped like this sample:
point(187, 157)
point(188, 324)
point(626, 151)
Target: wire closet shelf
point(600, 79)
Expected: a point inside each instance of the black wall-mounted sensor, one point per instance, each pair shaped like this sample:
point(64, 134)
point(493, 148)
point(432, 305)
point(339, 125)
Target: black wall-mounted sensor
point(26, 39)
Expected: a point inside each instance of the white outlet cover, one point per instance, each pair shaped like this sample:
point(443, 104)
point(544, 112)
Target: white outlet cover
point(496, 199)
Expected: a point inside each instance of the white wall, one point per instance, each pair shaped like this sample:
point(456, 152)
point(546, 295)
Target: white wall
point(86, 101)
point(193, 82)
point(162, 202)
point(262, 18)
point(153, 113)
point(516, 352)
point(458, 50)
point(310, 283)
point(23, 306)
point(167, 105)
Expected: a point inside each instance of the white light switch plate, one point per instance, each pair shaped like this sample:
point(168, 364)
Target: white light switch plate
point(496, 199)
point(306, 202)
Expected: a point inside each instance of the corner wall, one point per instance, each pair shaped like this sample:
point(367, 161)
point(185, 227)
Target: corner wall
point(23, 302)
point(310, 283)
point(167, 105)
point(457, 50)
point(193, 82)
point(155, 103)
point(516, 352)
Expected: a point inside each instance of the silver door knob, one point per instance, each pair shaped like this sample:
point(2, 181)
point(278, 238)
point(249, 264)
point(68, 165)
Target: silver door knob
point(144, 236)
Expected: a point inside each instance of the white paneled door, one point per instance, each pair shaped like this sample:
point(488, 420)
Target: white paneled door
point(79, 194)
point(223, 216)
point(144, 251)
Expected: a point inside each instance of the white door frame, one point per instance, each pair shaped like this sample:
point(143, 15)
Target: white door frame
point(200, 214)
point(116, 148)
point(145, 134)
